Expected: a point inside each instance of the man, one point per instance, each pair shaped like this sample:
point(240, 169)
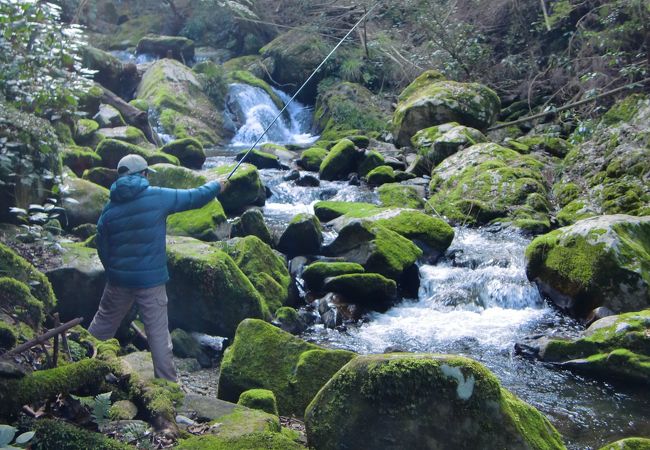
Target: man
point(131, 245)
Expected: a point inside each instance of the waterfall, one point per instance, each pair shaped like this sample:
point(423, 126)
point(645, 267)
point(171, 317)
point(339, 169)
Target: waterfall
point(254, 109)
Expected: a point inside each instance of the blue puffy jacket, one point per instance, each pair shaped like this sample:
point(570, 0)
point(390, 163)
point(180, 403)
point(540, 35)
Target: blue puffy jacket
point(132, 228)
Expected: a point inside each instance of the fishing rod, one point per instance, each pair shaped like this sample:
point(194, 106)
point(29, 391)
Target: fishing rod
point(301, 88)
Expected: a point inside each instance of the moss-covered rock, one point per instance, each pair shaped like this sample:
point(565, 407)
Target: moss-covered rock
point(188, 151)
point(600, 261)
point(253, 441)
point(30, 159)
point(261, 399)
point(375, 247)
point(633, 443)
point(112, 150)
point(123, 410)
point(367, 289)
point(541, 143)
point(177, 96)
point(381, 175)
point(316, 273)
point(265, 268)
point(108, 116)
point(197, 272)
point(85, 130)
point(83, 201)
point(432, 103)
point(101, 176)
point(251, 223)
point(400, 196)
point(343, 109)
point(245, 189)
point(260, 159)
point(142, 105)
point(431, 233)
point(487, 182)
point(370, 160)
point(438, 142)
point(129, 134)
point(168, 175)
point(8, 336)
point(208, 223)
point(14, 266)
point(329, 210)
point(57, 435)
point(340, 161)
point(303, 236)
point(312, 158)
point(287, 319)
point(263, 356)
point(80, 159)
point(184, 345)
point(452, 401)
point(177, 47)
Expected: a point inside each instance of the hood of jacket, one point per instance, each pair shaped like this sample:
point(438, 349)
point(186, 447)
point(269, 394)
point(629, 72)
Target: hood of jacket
point(127, 188)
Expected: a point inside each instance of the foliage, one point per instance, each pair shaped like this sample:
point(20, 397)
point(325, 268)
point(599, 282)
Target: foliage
point(40, 64)
point(7, 434)
point(99, 406)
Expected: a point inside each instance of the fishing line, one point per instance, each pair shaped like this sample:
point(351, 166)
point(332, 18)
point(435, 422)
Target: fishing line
point(301, 88)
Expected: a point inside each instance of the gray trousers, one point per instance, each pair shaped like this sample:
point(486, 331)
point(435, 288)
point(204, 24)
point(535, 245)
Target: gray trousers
point(152, 304)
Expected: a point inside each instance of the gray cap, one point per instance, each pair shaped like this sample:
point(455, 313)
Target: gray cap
point(132, 164)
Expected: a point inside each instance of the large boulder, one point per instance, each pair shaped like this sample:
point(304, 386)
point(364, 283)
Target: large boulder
point(83, 201)
point(251, 223)
point(316, 273)
point(265, 268)
point(438, 142)
point(129, 134)
point(80, 159)
point(397, 195)
point(168, 175)
point(30, 159)
point(108, 117)
point(375, 247)
point(367, 289)
point(176, 47)
point(614, 348)
point(345, 109)
point(263, 356)
point(380, 175)
point(634, 443)
point(312, 158)
point(487, 182)
point(183, 108)
point(207, 292)
point(340, 161)
point(260, 159)
point(423, 401)
point(601, 261)
point(112, 150)
point(434, 102)
point(609, 172)
point(245, 189)
point(303, 236)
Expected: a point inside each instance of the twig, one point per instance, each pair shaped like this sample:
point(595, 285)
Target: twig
point(42, 338)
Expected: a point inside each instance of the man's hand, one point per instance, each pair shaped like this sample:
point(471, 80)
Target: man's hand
point(225, 184)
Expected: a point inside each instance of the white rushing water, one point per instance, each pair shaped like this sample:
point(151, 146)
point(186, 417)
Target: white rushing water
point(255, 109)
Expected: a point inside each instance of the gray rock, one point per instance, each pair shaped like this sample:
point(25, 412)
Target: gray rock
point(109, 117)
point(303, 236)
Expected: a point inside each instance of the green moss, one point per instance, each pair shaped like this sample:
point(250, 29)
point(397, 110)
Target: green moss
point(623, 111)
point(329, 210)
point(175, 177)
point(633, 443)
point(432, 231)
point(8, 336)
point(245, 189)
point(162, 158)
point(260, 159)
point(142, 105)
point(184, 345)
point(58, 435)
point(261, 399)
point(423, 80)
point(14, 266)
point(400, 196)
point(371, 289)
point(85, 130)
point(199, 223)
point(339, 162)
point(251, 223)
point(371, 160)
point(553, 145)
point(312, 158)
point(16, 297)
point(255, 441)
point(565, 193)
point(381, 175)
point(129, 33)
point(189, 152)
point(266, 357)
point(122, 410)
point(46, 384)
point(315, 273)
point(112, 150)
point(286, 314)
point(572, 212)
point(80, 159)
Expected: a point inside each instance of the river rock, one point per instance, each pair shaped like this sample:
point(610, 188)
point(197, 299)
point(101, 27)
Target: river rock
point(330, 210)
point(260, 159)
point(251, 223)
point(371, 160)
point(184, 345)
point(265, 268)
point(308, 181)
point(438, 142)
point(179, 100)
point(83, 201)
point(246, 187)
point(615, 348)
point(101, 176)
point(312, 158)
point(207, 292)
point(85, 131)
point(376, 401)
point(303, 236)
point(487, 182)
point(176, 47)
point(381, 175)
point(428, 102)
point(78, 281)
point(398, 195)
point(261, 399)
point(634, 443)
point(346, 109)
point(550, 144)
point(288, 319)
point(375, 247)
point(316, 273)
point(108, 116)
point(24, 182)
point(263, 356)
point(601, 261)
point(610, 172)
point(80, 159)
point(128, 134)
point(112, 150)
point(340, 161)
point(367, 289)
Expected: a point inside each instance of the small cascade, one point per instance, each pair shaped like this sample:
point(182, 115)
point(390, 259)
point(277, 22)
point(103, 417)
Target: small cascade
point(254, 109)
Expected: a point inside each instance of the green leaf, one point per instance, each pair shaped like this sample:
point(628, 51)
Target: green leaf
point(7, 434)
point(25, 438)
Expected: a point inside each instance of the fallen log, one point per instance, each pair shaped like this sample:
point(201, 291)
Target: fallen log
point(132, 115)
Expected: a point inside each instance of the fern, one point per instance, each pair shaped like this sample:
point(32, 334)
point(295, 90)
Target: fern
point(101, 407)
